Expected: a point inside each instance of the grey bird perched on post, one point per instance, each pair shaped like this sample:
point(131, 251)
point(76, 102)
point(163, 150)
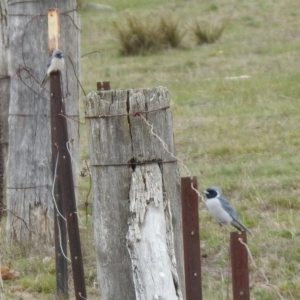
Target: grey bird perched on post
point(56, 62)
point(221, 209)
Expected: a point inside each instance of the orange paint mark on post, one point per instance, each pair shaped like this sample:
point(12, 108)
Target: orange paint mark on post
point(53, 29)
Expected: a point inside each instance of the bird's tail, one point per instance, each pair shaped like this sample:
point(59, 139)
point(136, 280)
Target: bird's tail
point(238, 225)
point(46, 78)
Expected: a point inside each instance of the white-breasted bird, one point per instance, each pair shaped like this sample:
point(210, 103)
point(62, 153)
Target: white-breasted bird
point(221, 209)
point(56, 62)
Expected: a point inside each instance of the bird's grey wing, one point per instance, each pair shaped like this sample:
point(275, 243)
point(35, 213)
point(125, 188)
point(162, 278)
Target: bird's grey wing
point(228, 207)
point(49, 62)
point(236, 222)
point(46, 78)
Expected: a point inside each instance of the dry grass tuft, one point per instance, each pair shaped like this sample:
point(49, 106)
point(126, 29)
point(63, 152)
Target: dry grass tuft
point(140, 37)
point(208, 33)
point(170, 33)
point(137, 37)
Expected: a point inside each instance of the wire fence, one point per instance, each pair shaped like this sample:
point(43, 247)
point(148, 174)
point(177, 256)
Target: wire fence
point(26, 71)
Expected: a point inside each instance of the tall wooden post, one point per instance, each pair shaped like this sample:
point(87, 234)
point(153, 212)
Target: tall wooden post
point(4, 98)
point(136, 188)
point(29, 171)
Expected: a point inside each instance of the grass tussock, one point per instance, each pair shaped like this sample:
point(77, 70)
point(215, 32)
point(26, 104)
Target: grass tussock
point(144, 36)
point(137, 37)
point(170, 33)
point(140, 37)
point(208, 33)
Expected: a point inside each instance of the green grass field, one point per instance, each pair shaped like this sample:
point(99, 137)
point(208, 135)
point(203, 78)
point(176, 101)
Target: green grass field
point(236, 121)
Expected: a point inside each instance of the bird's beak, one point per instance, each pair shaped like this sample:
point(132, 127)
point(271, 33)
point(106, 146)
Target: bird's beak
point(205, 192)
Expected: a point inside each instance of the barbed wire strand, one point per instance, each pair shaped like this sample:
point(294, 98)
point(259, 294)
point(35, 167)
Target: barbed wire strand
point(260, 270)
point(82, 296)
point(20, 218)
point(60, 243)
point(53, 198)
point(71, 119)
point(72, 158)
point(75, 25)
point(86, 172)
point(89, 53)
point(177, 158)
point(13, 3)
point(68, 117)
point(53, 186)
point(18, 73)
point(59, 235)
point(76, 76)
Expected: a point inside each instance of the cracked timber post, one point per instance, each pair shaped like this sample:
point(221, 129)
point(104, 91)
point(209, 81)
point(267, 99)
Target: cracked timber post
point(136, 188)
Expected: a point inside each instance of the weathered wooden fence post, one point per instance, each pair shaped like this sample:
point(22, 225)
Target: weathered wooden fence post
point(136, 188)
point(4, 99)
point(29, 174)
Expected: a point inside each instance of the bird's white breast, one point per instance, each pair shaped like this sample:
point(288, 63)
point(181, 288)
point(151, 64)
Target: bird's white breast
point(57, 64)
point(216, 210)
